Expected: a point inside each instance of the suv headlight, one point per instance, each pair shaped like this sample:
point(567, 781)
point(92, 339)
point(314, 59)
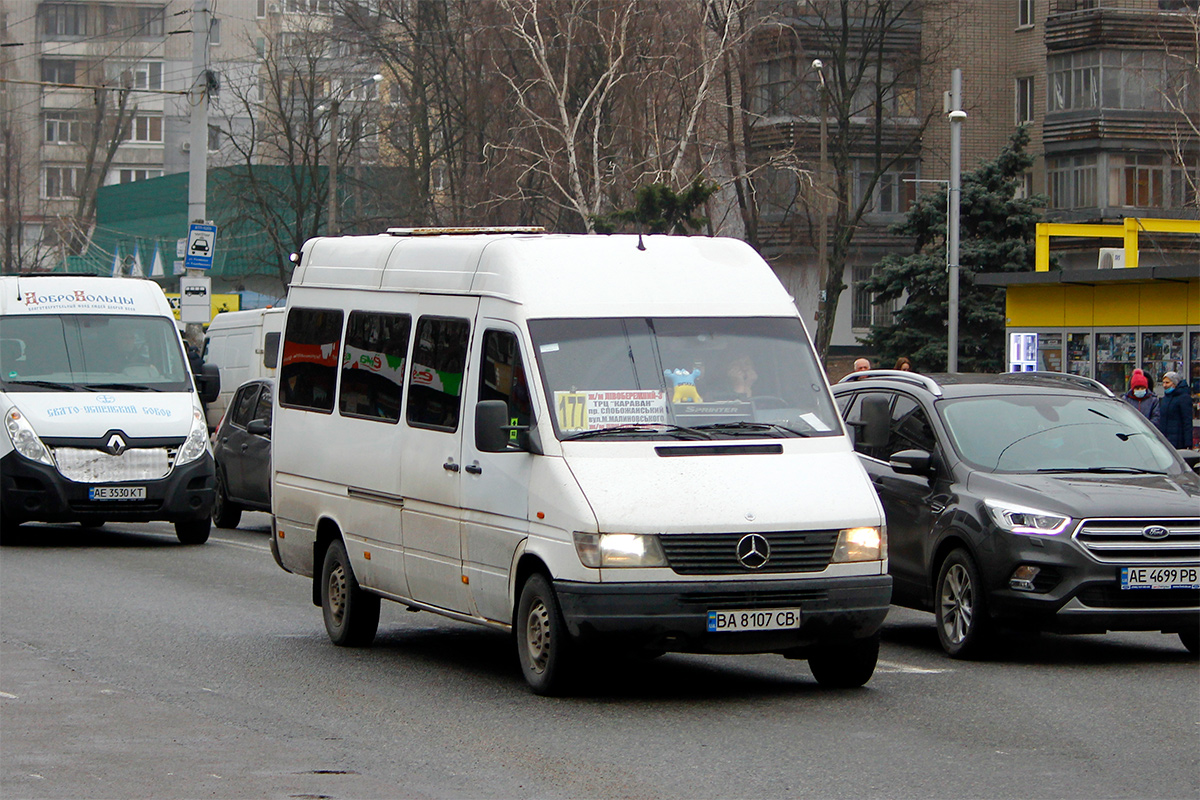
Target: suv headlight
point(197, 440)
point(1020, 519)
point(24, 439)
point(609, 550)
point(860, 544)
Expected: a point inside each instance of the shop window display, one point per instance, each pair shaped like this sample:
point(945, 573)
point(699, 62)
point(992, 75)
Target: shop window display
point(1116, 358)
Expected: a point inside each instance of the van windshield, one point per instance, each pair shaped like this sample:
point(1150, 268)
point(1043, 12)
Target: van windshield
point(96, 352)
point(691, 378)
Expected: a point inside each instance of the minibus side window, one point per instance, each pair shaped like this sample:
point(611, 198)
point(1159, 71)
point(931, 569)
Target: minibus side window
point(435, 381)
point(308, 368)
point(270, 349)
point(373, 362)
point(502, 377)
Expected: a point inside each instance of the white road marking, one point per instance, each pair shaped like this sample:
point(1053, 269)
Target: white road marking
point(243, 545)
point(8, 696)
point(893, 666)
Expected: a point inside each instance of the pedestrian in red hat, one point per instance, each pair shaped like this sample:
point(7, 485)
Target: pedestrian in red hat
point(1140, 397)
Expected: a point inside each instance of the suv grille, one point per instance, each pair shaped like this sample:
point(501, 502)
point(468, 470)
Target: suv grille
point(86, 465)
point(1122, 541)
point(716, 553)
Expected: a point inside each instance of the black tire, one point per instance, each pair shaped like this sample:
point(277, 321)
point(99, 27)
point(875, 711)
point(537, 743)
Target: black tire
point(960, 605)
point(544, 645)
point(351, 614)
point(8, 529)
point(1191, 640)
point(225, 512)
point(846, 666)
point(92, 524)
point(193, 531)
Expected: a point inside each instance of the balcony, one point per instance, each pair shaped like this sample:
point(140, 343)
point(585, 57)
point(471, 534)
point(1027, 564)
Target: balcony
point(1115, 28)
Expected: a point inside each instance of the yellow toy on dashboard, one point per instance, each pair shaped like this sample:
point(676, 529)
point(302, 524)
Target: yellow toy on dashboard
point(685, 385)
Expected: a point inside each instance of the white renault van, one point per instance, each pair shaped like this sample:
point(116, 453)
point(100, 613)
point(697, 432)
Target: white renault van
point(101, 414)
point(585, 440)
point(244, 345)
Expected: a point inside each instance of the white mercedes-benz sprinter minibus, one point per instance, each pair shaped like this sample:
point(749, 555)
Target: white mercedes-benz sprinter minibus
point(614, 441)
point(102, 419)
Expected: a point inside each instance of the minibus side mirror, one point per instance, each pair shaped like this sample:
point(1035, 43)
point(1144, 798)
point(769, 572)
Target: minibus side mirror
point(208, 382)
point(876, 419)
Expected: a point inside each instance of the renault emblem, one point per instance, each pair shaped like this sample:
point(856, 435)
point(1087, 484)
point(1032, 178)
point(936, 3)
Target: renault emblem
point(753, 551)
point(1155, 532)
point(115, 445)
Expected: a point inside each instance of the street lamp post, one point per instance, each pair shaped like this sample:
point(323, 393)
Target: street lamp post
point(335, 104)
point(823, 198)
point(957, 115)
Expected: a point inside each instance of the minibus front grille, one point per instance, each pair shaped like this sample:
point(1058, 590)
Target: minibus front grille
point(754, 598)
point(717, 553)
point(87, 465)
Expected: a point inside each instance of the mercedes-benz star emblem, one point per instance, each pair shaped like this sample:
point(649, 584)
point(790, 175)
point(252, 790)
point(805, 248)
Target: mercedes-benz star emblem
point(1155, 532)
point(753, 551)
point(115, 445)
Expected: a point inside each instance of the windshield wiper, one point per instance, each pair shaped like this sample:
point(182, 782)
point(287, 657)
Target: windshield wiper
point(1105, 470)
point(66, 387)
point(121, 387)
point(752, 427)
point(641, 429)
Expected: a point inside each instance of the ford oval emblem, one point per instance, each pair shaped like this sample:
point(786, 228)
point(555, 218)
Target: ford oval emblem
point(1155, 532)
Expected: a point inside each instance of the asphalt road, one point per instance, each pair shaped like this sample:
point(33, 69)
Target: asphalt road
point(131, 666)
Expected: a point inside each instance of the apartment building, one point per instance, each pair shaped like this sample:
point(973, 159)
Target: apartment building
point(1108, 88)
point(94, 94)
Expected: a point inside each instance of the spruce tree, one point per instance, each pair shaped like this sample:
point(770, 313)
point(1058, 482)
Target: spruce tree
point(996, 235)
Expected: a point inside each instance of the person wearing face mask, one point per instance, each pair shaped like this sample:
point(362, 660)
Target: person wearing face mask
point(1175, 411)
point(1140, 397)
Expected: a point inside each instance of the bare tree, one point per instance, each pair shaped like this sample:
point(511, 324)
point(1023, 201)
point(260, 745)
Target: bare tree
point(1180, 82)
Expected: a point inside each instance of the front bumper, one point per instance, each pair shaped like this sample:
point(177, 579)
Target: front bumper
point(1077, 594)
point(31, 492)
point(674, 616)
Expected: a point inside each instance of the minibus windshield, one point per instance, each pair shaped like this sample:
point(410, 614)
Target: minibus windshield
point(90, 352)
point(682, 378)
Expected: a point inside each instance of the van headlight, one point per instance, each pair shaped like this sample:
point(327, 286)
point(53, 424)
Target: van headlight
point(1020, 519)
point(860, 544)
point(24, 439)
point(197, 440)
point(610, 550)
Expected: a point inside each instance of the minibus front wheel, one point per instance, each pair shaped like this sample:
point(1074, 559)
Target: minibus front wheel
point(544, 646)
point(351, 614)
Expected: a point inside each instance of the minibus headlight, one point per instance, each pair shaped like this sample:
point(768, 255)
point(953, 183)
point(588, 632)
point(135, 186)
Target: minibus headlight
point(197, 440)
point(860, 544)
point(24, 439)
point(1019, 519)
point(610, 550)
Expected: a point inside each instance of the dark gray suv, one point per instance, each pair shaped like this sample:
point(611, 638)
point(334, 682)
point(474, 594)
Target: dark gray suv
point(1030, 500)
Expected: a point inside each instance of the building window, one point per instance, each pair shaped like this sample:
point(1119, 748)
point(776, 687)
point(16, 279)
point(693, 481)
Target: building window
point(1024, 98)
point(1073, 81)
point(61, 182)
point(63, 127)
point(260, 9)
point(309, 6)
point(776, 191)
point(1072, 181)
point(1136, 181)
point(139, 75)
point(864, 313)
point(1024, 13)
point(134, 175)
point(146, 129)
point(64, 19)
point(894, 192)
point(58, 71)
point(1024, 186)
point(774, 81)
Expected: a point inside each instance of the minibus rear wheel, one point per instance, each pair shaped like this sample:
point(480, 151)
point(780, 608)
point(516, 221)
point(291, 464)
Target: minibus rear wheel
point(351, 615)
point(544, 645)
